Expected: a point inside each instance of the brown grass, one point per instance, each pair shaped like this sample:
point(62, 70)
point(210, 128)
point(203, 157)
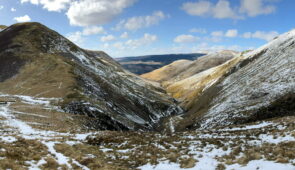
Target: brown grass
point(17, 153)
point(47, 76)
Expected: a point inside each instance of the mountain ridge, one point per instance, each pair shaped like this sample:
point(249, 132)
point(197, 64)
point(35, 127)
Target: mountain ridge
point(88, 82)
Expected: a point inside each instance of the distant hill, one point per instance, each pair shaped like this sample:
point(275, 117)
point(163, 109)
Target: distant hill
point(144, 64)
point(2, 27)
point(182, 69)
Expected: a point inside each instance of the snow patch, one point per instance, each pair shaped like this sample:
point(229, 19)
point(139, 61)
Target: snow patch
point(261, 165)
point(261, 125)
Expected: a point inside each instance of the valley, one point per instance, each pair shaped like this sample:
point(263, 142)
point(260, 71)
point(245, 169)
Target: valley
point(64, 107)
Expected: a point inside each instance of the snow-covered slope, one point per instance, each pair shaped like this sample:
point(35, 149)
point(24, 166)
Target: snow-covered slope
point(261, 86)
point(36, 61)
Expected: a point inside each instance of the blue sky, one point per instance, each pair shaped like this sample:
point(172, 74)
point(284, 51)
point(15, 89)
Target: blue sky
point(141, 27)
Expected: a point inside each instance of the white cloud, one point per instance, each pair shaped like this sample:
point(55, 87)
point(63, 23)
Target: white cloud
point(217, 34)
point(185, 39)
point(50, 5)
point(76, 37)
point(206, 48)
point(231, 33)
point(221, 9)
point(107, 38)
point(199, 8)
point(96, 12)
point(132, 44)
point(119, 45)
point(35, 2)
point(1, 7)
point(198, 30)
point(247, 35)
point(139, 22)
point(93, 30)
point(124, 35)
point(267, 36)
point(12, 9)
point(253, 8)
point(145, 40)
point(24, 18)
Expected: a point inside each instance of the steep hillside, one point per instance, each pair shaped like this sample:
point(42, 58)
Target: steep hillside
point(180, 70)
point(188, 90)
point(144, 64)
point(38, 62)
point(259, 87)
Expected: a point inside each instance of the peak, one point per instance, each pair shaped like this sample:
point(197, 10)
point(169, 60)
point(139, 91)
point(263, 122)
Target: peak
point(279, 41)
point(29, 26)
point(34, 37)
point(33, 28)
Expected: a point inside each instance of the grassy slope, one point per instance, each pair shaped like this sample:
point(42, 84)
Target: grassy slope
point(40, 74)
point(167, 72)
point(48, 76)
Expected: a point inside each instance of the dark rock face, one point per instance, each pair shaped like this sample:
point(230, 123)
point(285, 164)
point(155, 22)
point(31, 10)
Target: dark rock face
point(100, 120)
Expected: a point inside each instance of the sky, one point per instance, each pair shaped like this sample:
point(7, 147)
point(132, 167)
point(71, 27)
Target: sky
point(142, 27)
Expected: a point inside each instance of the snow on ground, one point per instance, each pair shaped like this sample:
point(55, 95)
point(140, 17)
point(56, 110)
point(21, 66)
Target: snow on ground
point(261, 125)
point(27, 132)
point(210, 153)
point(206, 155)
point(262, 165)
